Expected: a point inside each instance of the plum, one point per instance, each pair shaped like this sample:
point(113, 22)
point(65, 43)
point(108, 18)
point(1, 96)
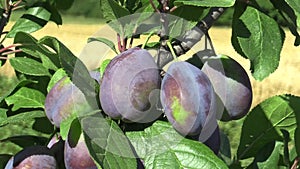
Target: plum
point(130, 87)
point(38, 157)
point(188, 99)
point(76, 155)
point(65, 98)
point(214, 141)
point(232, 86)
point(210, 139)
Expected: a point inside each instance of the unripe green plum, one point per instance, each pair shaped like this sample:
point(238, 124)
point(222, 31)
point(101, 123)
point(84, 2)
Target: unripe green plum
point(77, 156)
point(37, 157)
point(232, 86)
point(188, 99)
point(130, 87)
point(65, 98)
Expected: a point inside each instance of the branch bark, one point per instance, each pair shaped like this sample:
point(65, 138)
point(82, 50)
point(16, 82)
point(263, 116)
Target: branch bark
point(190, 38)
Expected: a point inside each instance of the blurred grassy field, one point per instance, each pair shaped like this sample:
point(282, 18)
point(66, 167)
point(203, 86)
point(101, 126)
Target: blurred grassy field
point(284, 80)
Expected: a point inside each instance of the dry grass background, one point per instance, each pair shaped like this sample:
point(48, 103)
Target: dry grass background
point(286, 79)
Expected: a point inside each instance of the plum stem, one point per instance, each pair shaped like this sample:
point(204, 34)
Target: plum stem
point(119, 42)
point(131, 42)
point(208, 39)
point(124, 43)
point(172, 51)
point(147, 39)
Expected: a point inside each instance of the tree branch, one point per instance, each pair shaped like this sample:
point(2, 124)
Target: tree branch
point(190, 38)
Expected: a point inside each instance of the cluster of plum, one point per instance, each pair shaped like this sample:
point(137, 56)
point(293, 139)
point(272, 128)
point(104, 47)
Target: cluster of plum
point(192, 98)
point(57, 154)
point(133, 90)
point(63, 99)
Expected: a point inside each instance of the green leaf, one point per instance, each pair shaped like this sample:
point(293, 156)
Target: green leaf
point(190, 13)
point(3, 115)
point(162, 147)
point(26, 98)
point(289, 16)
point(65, 125)
point(294, 4)
point(103, 66)
point(272, 115)
point(145, 12)
point(32, 47)
point(105, 41)
point(297, 139)
point(4, 159)
point(59, 74)
point(75, 69)
point(132, 5)
point(179, 26)
point(34, 19)
point(16, 88)
point(64, 5)
point(26, 140)
point(22, 117)
point(263, 154)
point(43, 125)
point(74, 132)
point(55, 15)
point(260, 39)
point(272, 161)
point(29, 66)
point(225, 151)
point(112, 10)
point(286, 155)
point(205, 3)
point(298, 19)
point(107, 144)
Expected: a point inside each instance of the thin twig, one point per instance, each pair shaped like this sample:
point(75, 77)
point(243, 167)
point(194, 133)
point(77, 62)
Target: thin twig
point(12, 52)
point(17, 3)
point(3, 58)
point(9, 47)
point(17, 7)
point(296, 163)
point(153, 6)
point(173, 8)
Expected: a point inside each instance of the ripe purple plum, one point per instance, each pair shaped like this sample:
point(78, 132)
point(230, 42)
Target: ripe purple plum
point(130, 87)
point(65, 98)
point(232, 86)
point(38, 157)
point(214, 141)
point(188, 99)
point(77, 156)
